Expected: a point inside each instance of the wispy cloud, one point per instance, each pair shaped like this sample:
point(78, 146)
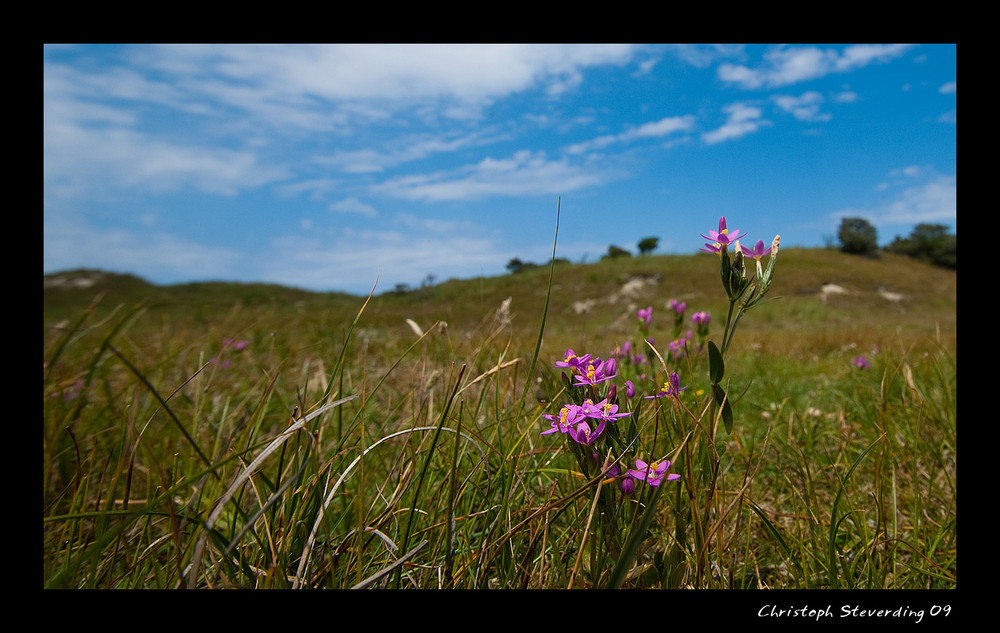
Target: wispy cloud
point(353, 205)
point(784, 65)
point(741, 119)
point(403, 249)
point(138, 250)
point(525, 173)
point(662, 128)
point(805, 107)
point(911, 195)
point(239, 94)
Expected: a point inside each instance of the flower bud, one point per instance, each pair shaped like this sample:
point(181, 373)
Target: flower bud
point(628, 485)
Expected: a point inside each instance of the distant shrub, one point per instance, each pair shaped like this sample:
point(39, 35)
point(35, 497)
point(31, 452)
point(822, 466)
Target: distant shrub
point(616, 251)
point(927, 242)
point(515, 265)
point(648, 245)
point(857, 237)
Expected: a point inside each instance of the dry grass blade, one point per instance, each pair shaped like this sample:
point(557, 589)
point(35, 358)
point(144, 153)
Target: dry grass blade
point(304, 560)
point(192, 573)
point(367, 582)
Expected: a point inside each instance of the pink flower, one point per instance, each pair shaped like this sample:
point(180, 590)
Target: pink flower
point(628, 485)
point(654, 473)
point(239, 345)
point(757, 251)
point(671, 388)
point(721, 238)
point(700, 318)
point(582, 434)
point(596, 371)
point(568, 416)
point(603, 410)
point(572, 361)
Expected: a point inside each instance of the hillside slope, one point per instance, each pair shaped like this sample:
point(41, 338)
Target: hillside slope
point(819, 290)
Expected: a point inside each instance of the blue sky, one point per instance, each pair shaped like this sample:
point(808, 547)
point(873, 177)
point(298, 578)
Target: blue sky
point(325, 167)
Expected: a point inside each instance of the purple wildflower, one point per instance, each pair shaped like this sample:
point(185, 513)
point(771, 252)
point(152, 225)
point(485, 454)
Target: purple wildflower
point(628, 485)
point(721, 238)
point(700, 318)
point(573, 361)
point(862, 363)
point(582, 434)
point(757, 251)
point(654, 473)
point(645, 315)
point(239, 345)
point(671, 388)
point(596, 371)
point(569, 415)
point(623, 351)
point(603, 410)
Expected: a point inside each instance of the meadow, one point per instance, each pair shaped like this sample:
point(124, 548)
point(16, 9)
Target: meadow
point(224, 435)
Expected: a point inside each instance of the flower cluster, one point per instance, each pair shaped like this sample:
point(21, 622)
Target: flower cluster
point(734, 278)
point(575, 420)
point(589, 417)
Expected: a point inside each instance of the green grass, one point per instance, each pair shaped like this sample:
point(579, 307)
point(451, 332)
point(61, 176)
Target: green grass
point(167, 459)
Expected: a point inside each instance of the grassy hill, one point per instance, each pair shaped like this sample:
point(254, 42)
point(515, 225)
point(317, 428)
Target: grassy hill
point(158, 400)
point(926, 291)
point(589, 303)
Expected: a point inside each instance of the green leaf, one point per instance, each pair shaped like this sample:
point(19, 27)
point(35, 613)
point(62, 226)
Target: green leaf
point(722, 401)
point(727, 417)
point(724, 260)
point(716, 366)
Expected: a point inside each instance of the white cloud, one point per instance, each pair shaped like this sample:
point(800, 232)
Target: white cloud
point(741, 119)
point(845, 96)
point(933, 202)
point(523, 174)
point(783, 66)
point(152, 255)
point(405, 149)
point(404, 249)
point(80, 159)
point(805, 107)
point(661, 128)
point(704, 55)
point(369, 80)
point(225, 102)
point(353, 205)
point(913, 195)
point(654, 129)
